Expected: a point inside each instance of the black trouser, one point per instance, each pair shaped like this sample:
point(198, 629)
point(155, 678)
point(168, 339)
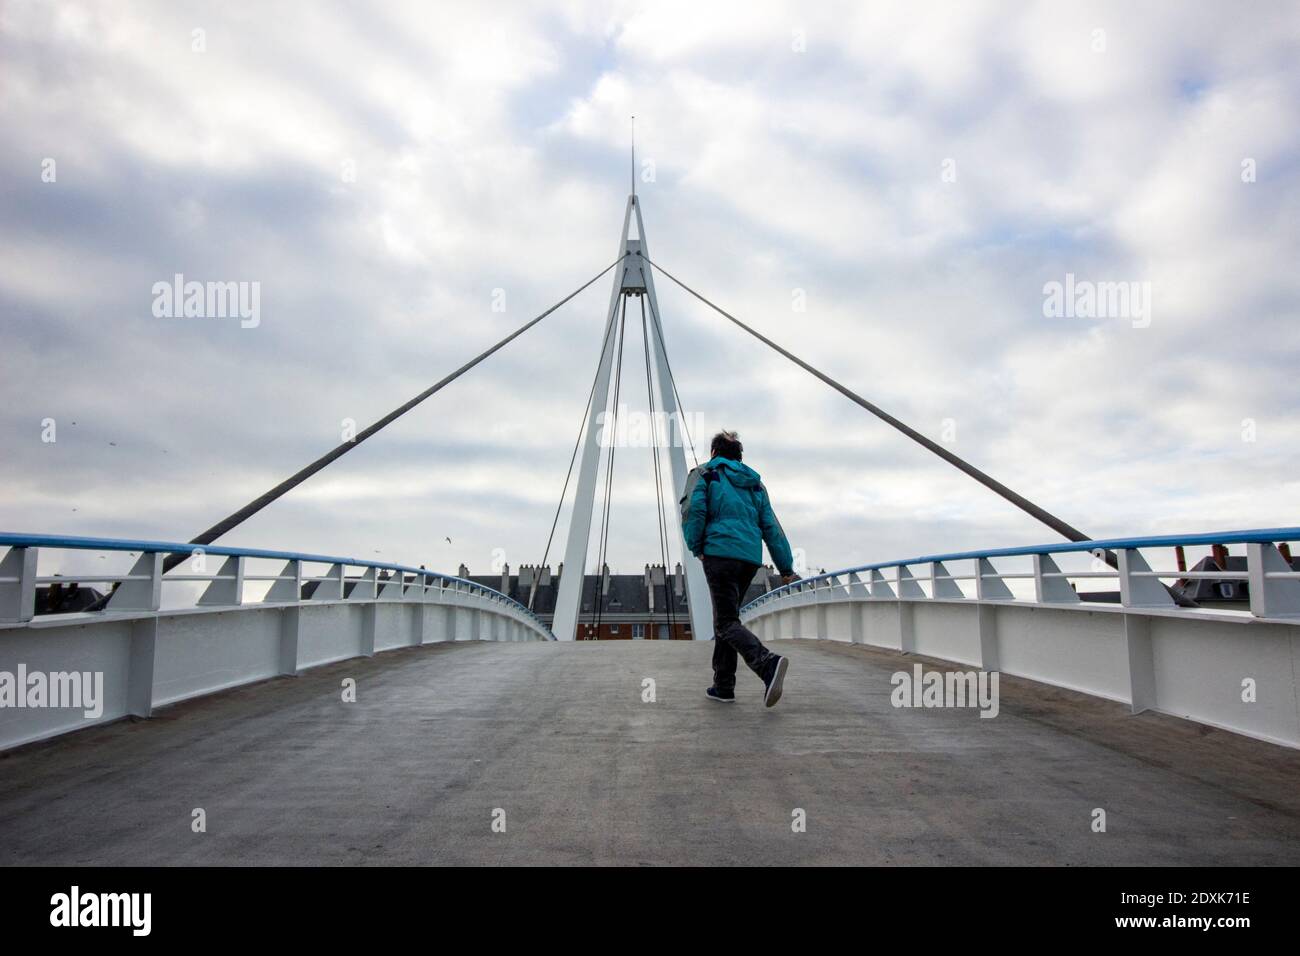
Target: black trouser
point(729, 579)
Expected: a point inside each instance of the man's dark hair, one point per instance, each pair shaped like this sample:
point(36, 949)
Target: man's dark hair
point(727, 445)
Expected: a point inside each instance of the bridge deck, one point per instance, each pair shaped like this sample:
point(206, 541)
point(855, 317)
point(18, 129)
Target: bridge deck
point(557, 735)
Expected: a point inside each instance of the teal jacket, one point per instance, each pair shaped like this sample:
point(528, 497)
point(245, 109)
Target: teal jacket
point(732, 517)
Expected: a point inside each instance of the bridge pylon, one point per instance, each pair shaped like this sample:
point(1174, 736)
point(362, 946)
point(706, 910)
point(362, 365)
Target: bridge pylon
point(632, 277)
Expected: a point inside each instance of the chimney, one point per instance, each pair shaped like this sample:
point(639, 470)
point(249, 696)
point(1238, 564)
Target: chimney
point(546, 574)
point(677, 580)
point(527, 584)
point(604, 580)
point(505, 579)
point(462, 572)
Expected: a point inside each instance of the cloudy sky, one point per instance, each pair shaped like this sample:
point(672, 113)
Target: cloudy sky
point(920, 172)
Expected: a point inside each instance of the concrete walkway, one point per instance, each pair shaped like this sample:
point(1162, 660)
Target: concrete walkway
point(558, 737)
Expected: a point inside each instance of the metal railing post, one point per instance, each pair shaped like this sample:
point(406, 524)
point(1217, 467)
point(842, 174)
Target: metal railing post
point(1138, 590)
point(1271, 597)
point(142, 591)
point(18, 585)
point(227, 588)
point(1049, 588)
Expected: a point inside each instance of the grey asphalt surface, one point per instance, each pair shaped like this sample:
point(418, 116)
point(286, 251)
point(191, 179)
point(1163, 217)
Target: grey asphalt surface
point(557, 736)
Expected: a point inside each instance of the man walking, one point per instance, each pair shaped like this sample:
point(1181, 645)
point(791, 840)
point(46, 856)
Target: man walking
point(725, 524)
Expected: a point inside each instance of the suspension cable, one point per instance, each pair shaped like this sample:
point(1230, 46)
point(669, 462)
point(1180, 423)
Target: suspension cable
point(586, 412)
point(257, 504)
point(672, 379)
point(670, 594)
point(662, 523)
point(602, 550)
point(1021, 502)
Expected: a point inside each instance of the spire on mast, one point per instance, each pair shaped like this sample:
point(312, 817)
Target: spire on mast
point(634, 155)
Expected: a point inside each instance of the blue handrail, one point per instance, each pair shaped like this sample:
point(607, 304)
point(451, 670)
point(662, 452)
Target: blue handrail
point(1249, 536)
point(19, 540)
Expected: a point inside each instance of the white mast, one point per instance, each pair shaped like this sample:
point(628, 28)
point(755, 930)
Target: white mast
point(697, 587)
point(631, 277)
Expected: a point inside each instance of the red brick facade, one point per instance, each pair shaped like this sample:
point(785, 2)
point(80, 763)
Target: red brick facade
point(626, 630)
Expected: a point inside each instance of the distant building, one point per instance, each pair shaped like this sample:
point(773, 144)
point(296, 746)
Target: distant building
point(69, 597)
point(615, 607)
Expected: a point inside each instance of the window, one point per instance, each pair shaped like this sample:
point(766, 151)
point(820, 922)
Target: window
point(613, 629)
point(638, 631)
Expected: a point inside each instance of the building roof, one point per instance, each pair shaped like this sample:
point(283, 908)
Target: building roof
point(627, 593)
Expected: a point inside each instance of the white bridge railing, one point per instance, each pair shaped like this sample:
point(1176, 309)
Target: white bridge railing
point(228, 616)
point(1229, 665)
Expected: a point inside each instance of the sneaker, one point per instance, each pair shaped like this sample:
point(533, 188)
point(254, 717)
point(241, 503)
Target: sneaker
point(721, 696)
point(774, 682)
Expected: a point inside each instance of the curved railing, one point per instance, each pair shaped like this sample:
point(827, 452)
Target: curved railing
point(1131, 571)
point(1226, 656)
point(419, 578)
point(223, 618)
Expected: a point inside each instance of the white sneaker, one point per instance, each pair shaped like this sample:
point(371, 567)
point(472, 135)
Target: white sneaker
point(774, 685)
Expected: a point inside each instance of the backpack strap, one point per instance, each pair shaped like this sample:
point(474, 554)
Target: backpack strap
point(708, 476)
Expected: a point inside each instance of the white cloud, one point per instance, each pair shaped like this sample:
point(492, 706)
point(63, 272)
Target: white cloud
point(489, 147)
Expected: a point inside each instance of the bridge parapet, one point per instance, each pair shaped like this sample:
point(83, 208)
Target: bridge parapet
point(1232, 665)
point(236, 615)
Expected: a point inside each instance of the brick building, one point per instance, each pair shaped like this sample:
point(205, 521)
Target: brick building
point(615, 607)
